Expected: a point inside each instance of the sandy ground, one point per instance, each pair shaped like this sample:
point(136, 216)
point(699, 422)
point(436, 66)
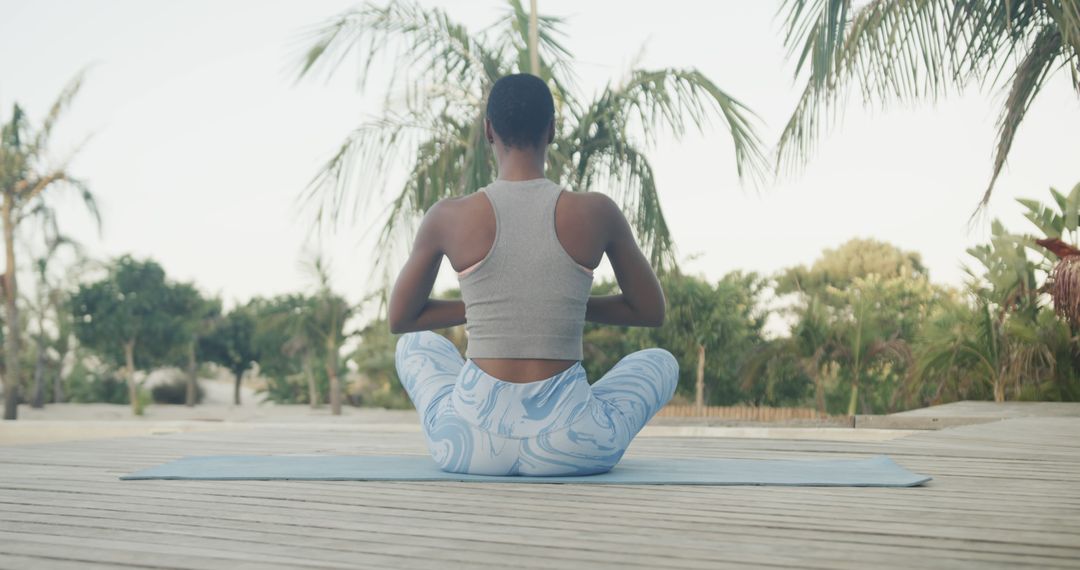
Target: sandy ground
point(73, 422)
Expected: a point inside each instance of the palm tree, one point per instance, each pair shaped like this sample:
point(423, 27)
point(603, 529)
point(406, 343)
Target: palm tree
point(329, 315)
point(995, 341)
point(691, 317)
point(962, 349)
point(442, 73)
point(26, 176)
point(317, 332)
point(905, 50)
point(867, 335)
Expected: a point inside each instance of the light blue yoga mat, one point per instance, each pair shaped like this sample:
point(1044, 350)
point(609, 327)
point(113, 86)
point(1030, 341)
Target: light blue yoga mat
point(878, 471)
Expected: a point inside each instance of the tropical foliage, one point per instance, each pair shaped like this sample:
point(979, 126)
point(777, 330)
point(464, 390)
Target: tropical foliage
point(443, 72)
point(888, 51)
point(862, 330)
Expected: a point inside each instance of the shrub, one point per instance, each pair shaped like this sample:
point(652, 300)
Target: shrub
point(175, 392)
point(85, 387)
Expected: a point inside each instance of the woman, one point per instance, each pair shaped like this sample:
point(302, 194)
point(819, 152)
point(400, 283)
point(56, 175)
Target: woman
point(524, 251)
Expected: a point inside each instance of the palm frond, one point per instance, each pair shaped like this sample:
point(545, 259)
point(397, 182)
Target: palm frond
point(428, 40)
point(887, 49)
point(903, 50)
point(439, 122)
point(360, 165)
point(63, 101)
point(1027, 81)
point(679, 99)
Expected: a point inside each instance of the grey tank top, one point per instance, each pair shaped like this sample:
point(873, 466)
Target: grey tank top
point(526, 298)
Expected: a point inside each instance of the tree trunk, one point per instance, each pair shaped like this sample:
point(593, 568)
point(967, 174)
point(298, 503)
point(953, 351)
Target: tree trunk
point(58, 385)
point(11, 313)
point(335, 392)
point(38, 400)
point(58, 380)
point(865, 404)
point(999, 390)
point(331, 373)
point(236, 387)
point(819, 393)
point(129, 371)
point(853, 403)
point(192, 378)
point(699, 388)
point(313, 390)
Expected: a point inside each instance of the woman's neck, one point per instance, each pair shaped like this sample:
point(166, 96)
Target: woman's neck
point(516, 165)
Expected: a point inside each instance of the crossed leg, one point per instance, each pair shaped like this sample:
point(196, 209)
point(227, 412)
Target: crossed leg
point(428, 365)
point(637, 387)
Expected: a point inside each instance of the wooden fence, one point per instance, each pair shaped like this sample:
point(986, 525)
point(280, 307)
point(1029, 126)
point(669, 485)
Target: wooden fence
point(745, 413)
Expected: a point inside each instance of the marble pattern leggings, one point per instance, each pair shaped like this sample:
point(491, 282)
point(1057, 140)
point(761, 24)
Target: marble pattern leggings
point(475, 423)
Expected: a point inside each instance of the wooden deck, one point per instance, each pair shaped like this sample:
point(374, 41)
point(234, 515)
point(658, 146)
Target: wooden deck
point(1005, 494)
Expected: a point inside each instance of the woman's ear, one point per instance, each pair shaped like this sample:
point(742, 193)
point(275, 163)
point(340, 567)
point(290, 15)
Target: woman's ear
point(551, 131)
point(489, 131)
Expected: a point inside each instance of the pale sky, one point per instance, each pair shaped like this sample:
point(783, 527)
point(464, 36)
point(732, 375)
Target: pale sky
point(202, 140)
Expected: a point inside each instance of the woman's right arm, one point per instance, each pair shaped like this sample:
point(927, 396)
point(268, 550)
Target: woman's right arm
point(641, 303)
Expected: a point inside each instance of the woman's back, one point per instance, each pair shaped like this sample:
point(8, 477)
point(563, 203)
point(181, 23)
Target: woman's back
point(524, 251)
point(526, 298)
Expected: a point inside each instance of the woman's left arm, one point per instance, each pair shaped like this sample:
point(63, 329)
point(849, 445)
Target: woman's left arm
point(411, 308)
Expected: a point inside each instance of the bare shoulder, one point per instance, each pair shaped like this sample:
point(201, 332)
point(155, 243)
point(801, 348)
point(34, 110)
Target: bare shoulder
point(597, 210)
point(464, 206)
point(466, 228)
point(455, 209)
point(593, 205)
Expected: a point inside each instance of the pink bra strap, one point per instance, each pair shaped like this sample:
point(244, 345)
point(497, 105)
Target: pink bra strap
point(472, 268)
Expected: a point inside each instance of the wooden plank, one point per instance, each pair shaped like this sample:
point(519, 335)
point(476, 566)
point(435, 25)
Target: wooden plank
point(1005, 494)
point(495, 520)
point(865, 509)
point(555, 554)
point(914, 422)
point(450, 516)
point(44, 563)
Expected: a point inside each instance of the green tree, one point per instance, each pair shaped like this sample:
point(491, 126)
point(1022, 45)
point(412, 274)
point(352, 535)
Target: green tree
point(27, 178)
point(710, 329)
point(231, 344)
point(900, 51)
point(807, 349)
point(600, 144)
point(838, 268)
point(858, 310)
point(129, 319)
